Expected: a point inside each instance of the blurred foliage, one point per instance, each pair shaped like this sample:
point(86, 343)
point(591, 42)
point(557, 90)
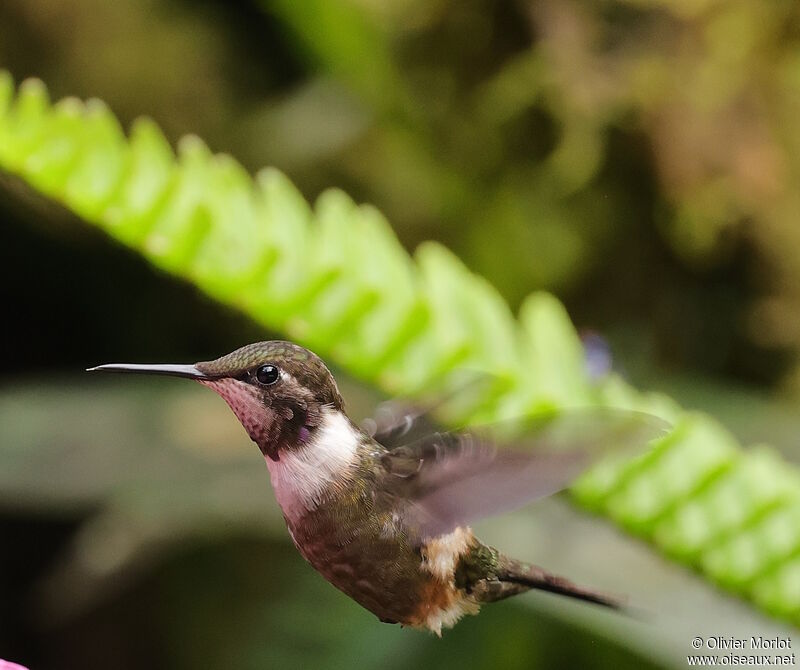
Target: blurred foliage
point(544, 142)
point(521, 122)
point(183, 513)
point(335, 278)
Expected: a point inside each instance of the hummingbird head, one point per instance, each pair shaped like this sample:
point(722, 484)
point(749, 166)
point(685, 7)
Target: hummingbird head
point(279, 391)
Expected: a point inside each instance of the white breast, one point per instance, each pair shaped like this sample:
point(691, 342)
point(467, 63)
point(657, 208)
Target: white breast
point(302, 475)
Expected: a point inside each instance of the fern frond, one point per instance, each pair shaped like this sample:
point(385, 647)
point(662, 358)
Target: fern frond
point(335, 278)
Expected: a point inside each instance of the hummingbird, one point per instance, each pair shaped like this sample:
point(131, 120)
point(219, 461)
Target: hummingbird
point(382, 510)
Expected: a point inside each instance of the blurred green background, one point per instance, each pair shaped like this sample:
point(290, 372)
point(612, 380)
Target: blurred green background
point(639, 158)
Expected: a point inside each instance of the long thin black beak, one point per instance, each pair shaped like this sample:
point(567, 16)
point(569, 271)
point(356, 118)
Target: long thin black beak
point(169, 369)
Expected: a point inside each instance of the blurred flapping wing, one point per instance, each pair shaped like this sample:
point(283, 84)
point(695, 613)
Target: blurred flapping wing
point(443, 480)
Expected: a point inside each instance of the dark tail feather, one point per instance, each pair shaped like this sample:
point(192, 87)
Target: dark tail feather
point(535, 577)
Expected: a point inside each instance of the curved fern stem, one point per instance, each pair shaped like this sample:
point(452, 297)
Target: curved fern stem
point(335, 278)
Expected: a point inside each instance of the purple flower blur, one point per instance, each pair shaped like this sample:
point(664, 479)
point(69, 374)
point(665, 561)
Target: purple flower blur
point(597, 355)
point(8, 665)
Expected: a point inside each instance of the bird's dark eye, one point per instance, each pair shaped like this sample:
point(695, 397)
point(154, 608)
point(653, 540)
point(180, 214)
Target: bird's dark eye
point(267, 375)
